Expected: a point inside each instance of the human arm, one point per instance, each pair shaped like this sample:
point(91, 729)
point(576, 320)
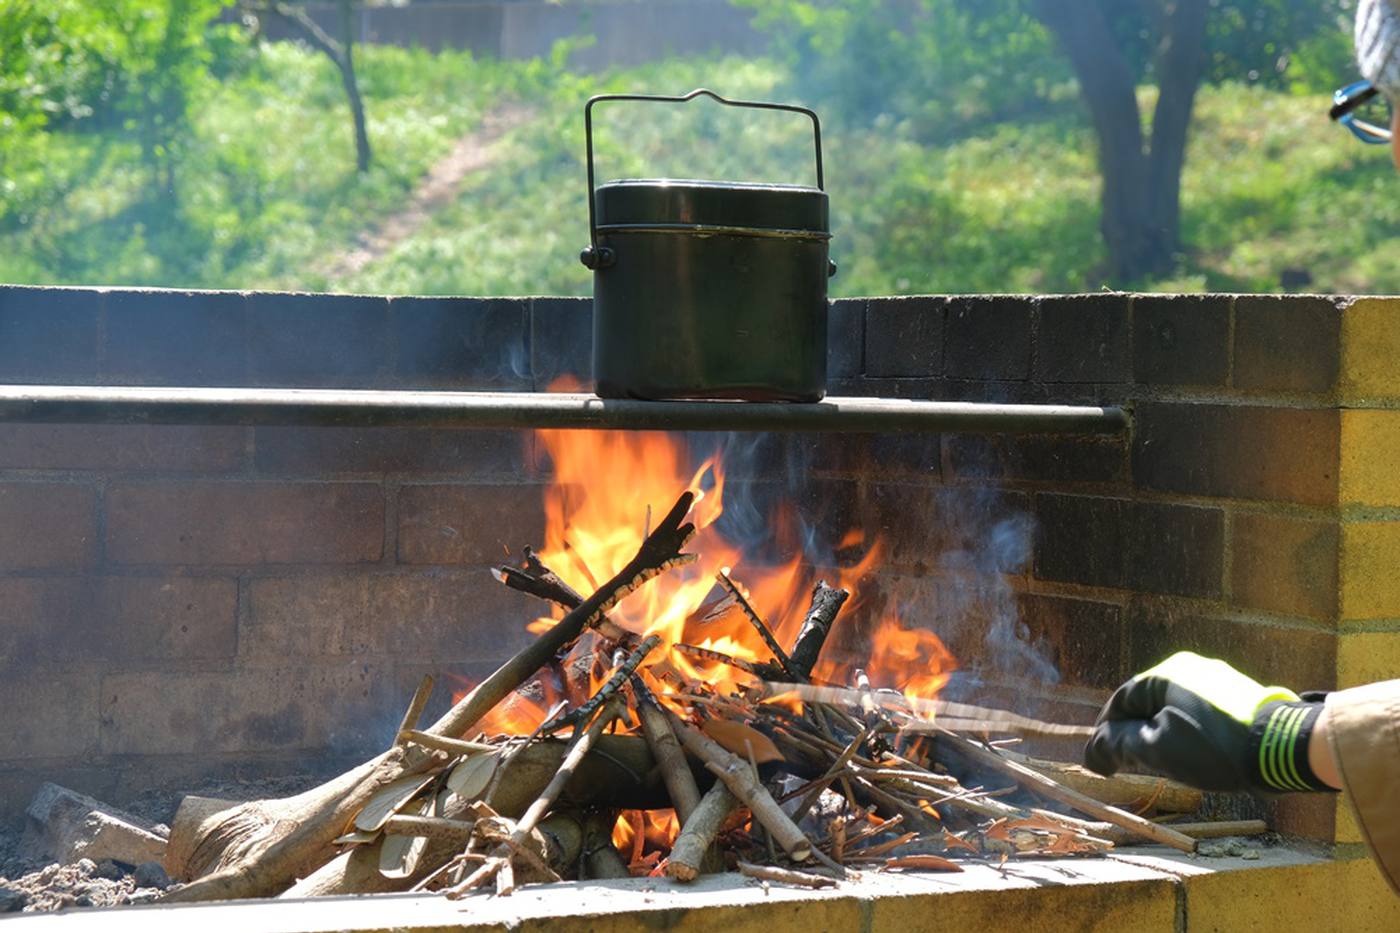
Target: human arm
point(1321, 758)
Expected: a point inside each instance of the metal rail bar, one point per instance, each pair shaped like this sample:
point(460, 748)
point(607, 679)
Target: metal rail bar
point(408, 408)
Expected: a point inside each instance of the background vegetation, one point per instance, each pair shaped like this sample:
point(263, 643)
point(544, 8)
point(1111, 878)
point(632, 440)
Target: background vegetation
point(141, 143)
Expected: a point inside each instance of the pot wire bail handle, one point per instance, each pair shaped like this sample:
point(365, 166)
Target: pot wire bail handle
point(600, 257)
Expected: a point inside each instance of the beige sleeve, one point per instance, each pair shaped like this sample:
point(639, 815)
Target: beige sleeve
point(1364, 723)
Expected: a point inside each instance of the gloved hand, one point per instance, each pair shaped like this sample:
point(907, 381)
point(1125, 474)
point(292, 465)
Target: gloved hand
point(1204, 723)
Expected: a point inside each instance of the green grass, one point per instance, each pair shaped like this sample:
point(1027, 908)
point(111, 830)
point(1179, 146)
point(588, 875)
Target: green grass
point(266, 190)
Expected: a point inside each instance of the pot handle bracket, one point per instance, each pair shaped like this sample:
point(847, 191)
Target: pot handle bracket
point(600, 257)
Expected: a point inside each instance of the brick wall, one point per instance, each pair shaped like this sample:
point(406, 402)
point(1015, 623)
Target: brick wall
point(176, 601)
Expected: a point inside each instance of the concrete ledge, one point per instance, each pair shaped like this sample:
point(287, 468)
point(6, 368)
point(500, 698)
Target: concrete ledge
point(1138, 890)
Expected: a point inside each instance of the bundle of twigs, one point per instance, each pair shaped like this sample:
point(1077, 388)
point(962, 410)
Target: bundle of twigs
point(799, 793)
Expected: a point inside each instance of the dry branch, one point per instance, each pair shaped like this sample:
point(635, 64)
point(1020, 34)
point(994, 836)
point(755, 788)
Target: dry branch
point(743, 782)
point(620, 772)
point(670, 759)
point(1218, 830)
point(415, 708)
point(699, 831)
point(1122, 790)
point(785, 875)
point(441, 744)
point(599, 859)
point(1035, 781)
point(514, 843)
point(260, 848)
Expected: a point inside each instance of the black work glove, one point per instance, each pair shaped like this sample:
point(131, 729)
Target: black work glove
point(1201, 722)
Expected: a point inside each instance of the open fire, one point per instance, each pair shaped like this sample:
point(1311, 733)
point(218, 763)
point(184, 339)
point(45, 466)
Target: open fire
point(592, 530)
point(682, 709)
point(597, 518)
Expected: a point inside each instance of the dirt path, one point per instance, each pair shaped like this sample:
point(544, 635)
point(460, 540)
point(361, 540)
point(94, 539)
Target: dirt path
point(473, 152)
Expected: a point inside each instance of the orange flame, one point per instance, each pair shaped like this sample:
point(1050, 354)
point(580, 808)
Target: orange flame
point(609, 488)
point(659, 831)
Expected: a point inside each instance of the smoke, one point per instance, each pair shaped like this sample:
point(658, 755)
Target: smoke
point(979, 606)
point(973, 542)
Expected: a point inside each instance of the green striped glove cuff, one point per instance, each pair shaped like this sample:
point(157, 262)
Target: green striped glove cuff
point(1278, 746)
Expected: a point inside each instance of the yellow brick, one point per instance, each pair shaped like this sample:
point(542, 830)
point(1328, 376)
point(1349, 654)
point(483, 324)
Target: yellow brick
point(1343, 896)
point(1366, 657)
point(1370, 348)
point(1139, 906)
point(1370, 473)
point(1369, 570)
point(828, 915)
point(1347, 829)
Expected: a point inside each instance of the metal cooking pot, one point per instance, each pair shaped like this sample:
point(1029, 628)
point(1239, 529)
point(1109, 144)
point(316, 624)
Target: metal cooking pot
point(707, 289)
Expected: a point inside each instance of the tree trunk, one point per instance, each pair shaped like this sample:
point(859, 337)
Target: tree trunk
point(1180, 64)
point(346, 63)
point(340, 52)
point(1141, 187)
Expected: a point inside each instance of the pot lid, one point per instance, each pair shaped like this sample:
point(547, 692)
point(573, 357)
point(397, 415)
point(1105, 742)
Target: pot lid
point(648, 201)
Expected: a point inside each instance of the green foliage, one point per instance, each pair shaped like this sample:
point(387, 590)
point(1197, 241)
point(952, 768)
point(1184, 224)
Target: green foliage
point(943, 65)
point(266, 187)
point(265, 193)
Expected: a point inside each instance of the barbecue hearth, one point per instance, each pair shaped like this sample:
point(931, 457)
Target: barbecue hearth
point(180, 601)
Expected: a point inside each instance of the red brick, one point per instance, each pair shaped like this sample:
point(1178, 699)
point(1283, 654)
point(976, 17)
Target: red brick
point(47, 715)
point(451, 616)
point(320, 451)
point(1284, 564)
point(904, 336)
point(925, 527)
point(46, 525)
point(1287, 343)
point(1181, 339)
point(305, 706)
point(1154, 547)
point(117, 618)
point(1238, 451)
point(245, 523)
point(1294, 657)
point(468, 524)
point(1083, 640)
point(1083, 338)
point(120, 447)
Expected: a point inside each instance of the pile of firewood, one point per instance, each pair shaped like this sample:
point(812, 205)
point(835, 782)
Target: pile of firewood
point(783, 779)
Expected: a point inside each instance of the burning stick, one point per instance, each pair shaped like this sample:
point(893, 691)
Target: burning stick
point(538, 580)
point(826, 603)
point(743, 783)
point(1041, 784)
point(785, 876)
point(762, 671)
point(756, 620)
point(614, 683)
point(670, 759)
